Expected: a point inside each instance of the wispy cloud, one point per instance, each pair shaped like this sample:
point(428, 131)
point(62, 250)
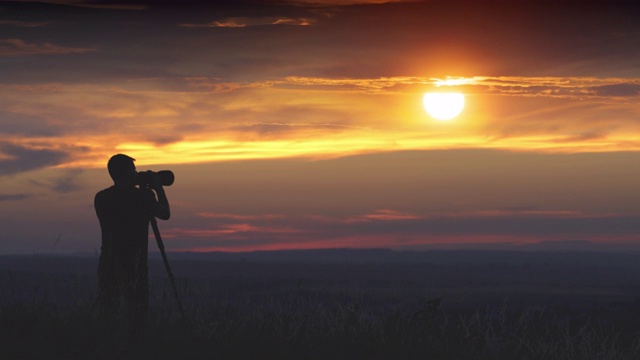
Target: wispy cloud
point(552, 87)
point(212, 215)
point(13, 197)
point(16, 124)
point(280, 128)
point(24, 24)
point(96, 4)
point(398, 229)
point(241, 231)
point(129, 7)
point(19, 47)
point(67, 182)
point(241, 22)
point(622, 88)
point(575, 87)
point(344, 2)
point(16, 158)
point(385, 215)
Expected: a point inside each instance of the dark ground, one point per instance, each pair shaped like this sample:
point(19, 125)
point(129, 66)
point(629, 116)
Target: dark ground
point(437, 304)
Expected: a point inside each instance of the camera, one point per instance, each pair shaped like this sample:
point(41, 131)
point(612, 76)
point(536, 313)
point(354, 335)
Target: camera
point(144, 177)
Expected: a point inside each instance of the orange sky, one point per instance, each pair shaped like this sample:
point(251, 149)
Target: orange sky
point(203, 120)
point(294, 118)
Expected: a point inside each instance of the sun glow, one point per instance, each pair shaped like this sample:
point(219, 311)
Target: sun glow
point(443, 105)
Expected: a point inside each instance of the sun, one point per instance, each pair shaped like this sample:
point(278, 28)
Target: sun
point(443, 105)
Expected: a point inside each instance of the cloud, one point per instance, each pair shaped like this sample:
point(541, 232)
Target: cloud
point(501, 225)
point(283, 128)
point(68, 182)
point(92, 4)
point(387, 39)
point(552, 87)
point(19, 47)
point(64, 181)
point(344, 2)
point(241, 231)
point(399, 229)
point(13, 197)
point(381, 84)
point(562, 87)
point(16, 158)
point(206, 119)
point(132, 7)
point(26, 125)
point(25, 24)
point(385, 215)
point(212, 215)
point(622, 89)
point(241, 22)
point(582, 137)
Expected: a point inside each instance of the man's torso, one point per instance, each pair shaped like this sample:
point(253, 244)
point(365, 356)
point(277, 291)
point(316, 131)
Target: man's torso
point(124, 220)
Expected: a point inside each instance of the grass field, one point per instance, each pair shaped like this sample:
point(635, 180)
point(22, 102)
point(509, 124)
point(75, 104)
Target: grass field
point(266, 315)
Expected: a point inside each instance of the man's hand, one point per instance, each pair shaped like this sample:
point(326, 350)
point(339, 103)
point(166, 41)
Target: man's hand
point(162, 210)
point(154, 181)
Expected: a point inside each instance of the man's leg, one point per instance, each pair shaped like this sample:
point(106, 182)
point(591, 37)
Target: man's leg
point(137, 299)
point(108, 297)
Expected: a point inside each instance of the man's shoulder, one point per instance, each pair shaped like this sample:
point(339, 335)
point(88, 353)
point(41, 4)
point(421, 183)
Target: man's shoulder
point(127, 193)
point(104, 192)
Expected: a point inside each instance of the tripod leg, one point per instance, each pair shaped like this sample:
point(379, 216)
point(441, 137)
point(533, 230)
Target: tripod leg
point(156, 232)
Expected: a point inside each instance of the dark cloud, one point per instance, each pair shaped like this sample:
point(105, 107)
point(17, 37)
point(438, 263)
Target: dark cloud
point(158, 3)
point(25, 125)
point(286, 128)
point(64, 181)
point(68, 182)
point(624, 89)
point(574, 87)
point(362, 40)
point(189, 127)
point(13, 197)
point(239, 22)
point(58, 4)
point(164, 139)
point(19, 47)
point(585, 136)
point(401, 229)
point(19, 159)
point(25, 24)
point(509, 225)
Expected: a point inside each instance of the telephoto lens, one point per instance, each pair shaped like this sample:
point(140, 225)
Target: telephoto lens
point(166, 177)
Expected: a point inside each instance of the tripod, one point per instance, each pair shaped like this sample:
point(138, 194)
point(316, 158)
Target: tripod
point(156, 232)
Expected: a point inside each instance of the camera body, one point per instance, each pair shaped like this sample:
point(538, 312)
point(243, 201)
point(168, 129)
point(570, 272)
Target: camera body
point(144, 177)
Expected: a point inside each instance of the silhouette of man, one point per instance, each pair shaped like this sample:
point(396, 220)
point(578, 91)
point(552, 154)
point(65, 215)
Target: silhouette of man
point(124, 211)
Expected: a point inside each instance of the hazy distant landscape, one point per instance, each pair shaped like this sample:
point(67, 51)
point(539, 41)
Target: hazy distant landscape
point(296, 298)
point(461, 278)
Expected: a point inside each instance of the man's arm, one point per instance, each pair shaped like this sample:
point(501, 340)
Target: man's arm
point(105, 265)
point(161, 210)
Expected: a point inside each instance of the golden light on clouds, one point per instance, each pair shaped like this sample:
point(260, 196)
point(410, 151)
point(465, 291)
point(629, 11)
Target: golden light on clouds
point(202, 120)
point(323, 148)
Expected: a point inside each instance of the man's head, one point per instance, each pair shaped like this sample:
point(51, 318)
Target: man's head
point(122, 170)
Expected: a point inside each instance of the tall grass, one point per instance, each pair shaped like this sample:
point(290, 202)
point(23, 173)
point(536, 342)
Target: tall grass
point(314, 325)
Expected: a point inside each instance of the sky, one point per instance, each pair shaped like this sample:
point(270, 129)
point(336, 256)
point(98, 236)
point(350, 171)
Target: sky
point(300, 124)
